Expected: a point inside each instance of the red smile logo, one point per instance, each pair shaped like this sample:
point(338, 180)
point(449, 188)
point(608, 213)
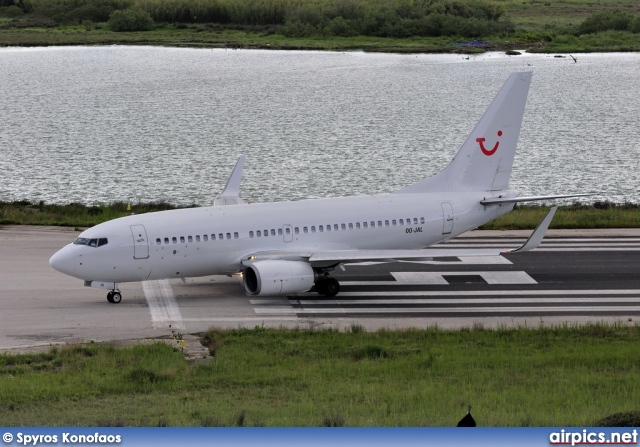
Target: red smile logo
point(486, 151)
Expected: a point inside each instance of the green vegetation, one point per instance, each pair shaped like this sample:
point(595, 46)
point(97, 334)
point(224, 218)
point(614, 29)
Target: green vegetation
point(576, 216)
point(596, 215)
point(277, 377)
point(373, 25)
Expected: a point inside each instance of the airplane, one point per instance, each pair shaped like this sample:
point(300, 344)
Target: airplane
point(290, 247)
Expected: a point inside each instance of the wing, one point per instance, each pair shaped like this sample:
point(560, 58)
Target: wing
point(330, 258)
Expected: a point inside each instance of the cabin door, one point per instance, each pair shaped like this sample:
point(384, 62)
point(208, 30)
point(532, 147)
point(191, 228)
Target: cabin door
point(447, 218)
point(140, 242)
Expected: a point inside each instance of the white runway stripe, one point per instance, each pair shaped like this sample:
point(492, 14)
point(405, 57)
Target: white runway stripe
point(448, 302)
point(162, 305)
point(463, 293)
point(484, 310)
point(438, 278)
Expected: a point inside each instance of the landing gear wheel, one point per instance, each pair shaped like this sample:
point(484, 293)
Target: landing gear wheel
point(328, 287)
point(114, 297)
point(331, 287)
point(321, 287)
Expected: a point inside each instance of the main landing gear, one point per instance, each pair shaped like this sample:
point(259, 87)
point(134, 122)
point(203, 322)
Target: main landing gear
point(114, 296)
point(327, 286)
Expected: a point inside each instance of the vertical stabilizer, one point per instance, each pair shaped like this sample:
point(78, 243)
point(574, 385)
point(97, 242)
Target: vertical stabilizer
point(484, 161)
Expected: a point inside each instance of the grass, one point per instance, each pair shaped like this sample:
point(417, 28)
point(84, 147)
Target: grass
point(597, 215)
point(277, 377)
point(576, 216)
point(541, 25)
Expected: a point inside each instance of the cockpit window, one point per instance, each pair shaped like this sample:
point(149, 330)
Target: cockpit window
point(98, 242)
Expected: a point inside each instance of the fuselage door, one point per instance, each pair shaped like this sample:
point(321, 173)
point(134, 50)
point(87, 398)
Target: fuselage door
point(287, 233)
point(140, 242)
point(447, 218)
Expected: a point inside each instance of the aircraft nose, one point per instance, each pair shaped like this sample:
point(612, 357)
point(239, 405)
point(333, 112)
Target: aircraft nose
point(63, 261)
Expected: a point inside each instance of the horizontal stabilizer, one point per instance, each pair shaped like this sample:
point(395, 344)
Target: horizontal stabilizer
point(497, 200)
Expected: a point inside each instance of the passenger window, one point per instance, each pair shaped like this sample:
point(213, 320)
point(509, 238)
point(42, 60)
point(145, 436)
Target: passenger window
point(287, 230)
point(393, 222)
point(305, 229)
point(320, 228)
point(328, 227)
point(279, 231)
point(259, 233)
point(379, 223)
point(273, 232)
point(205, 237)
point(373, 224)
point(297, 230)
point(236, 235)
point(313, 228)
point(213, 237)
point(422, 220)
point(415, 220)
point(158, 241)
point(228, 235)
point(250, 233)
point(343, 226)
point(182, 239)
point(350, 226)
point(166, 240)
point(220, 236)
point(197, 238)
point(401, 221)
point(266, 233)
point(364, 224)
point(190, 239)
point(357, 225)
point(174, 240)
point(386, 223)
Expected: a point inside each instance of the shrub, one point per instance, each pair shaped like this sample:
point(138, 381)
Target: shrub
point(130, 20)
point(11, 12)
point(616, 20)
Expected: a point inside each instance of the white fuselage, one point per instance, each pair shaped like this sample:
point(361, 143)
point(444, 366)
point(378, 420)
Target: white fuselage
point(215, 240)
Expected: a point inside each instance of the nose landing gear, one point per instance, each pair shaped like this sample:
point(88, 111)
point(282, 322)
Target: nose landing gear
point(114, 296)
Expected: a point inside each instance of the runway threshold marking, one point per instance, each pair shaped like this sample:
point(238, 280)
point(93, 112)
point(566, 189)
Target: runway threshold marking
point(163, 305)
point(498, 302)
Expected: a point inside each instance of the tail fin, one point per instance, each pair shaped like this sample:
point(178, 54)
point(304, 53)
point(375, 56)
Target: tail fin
point(484, 161)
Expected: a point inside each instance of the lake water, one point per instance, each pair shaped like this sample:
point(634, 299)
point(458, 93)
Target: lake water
point(117, 123)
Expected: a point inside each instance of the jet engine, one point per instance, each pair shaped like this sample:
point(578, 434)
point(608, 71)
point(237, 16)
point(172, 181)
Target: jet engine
point(278, 277)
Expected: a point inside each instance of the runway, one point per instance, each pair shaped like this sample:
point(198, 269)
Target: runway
point(575, 276)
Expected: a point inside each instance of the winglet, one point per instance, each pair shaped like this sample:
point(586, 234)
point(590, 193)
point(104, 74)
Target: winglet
point(231, 193)
point(537, 235)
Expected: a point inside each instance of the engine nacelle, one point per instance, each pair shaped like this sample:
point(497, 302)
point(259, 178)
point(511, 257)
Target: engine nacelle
point(278, 277)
